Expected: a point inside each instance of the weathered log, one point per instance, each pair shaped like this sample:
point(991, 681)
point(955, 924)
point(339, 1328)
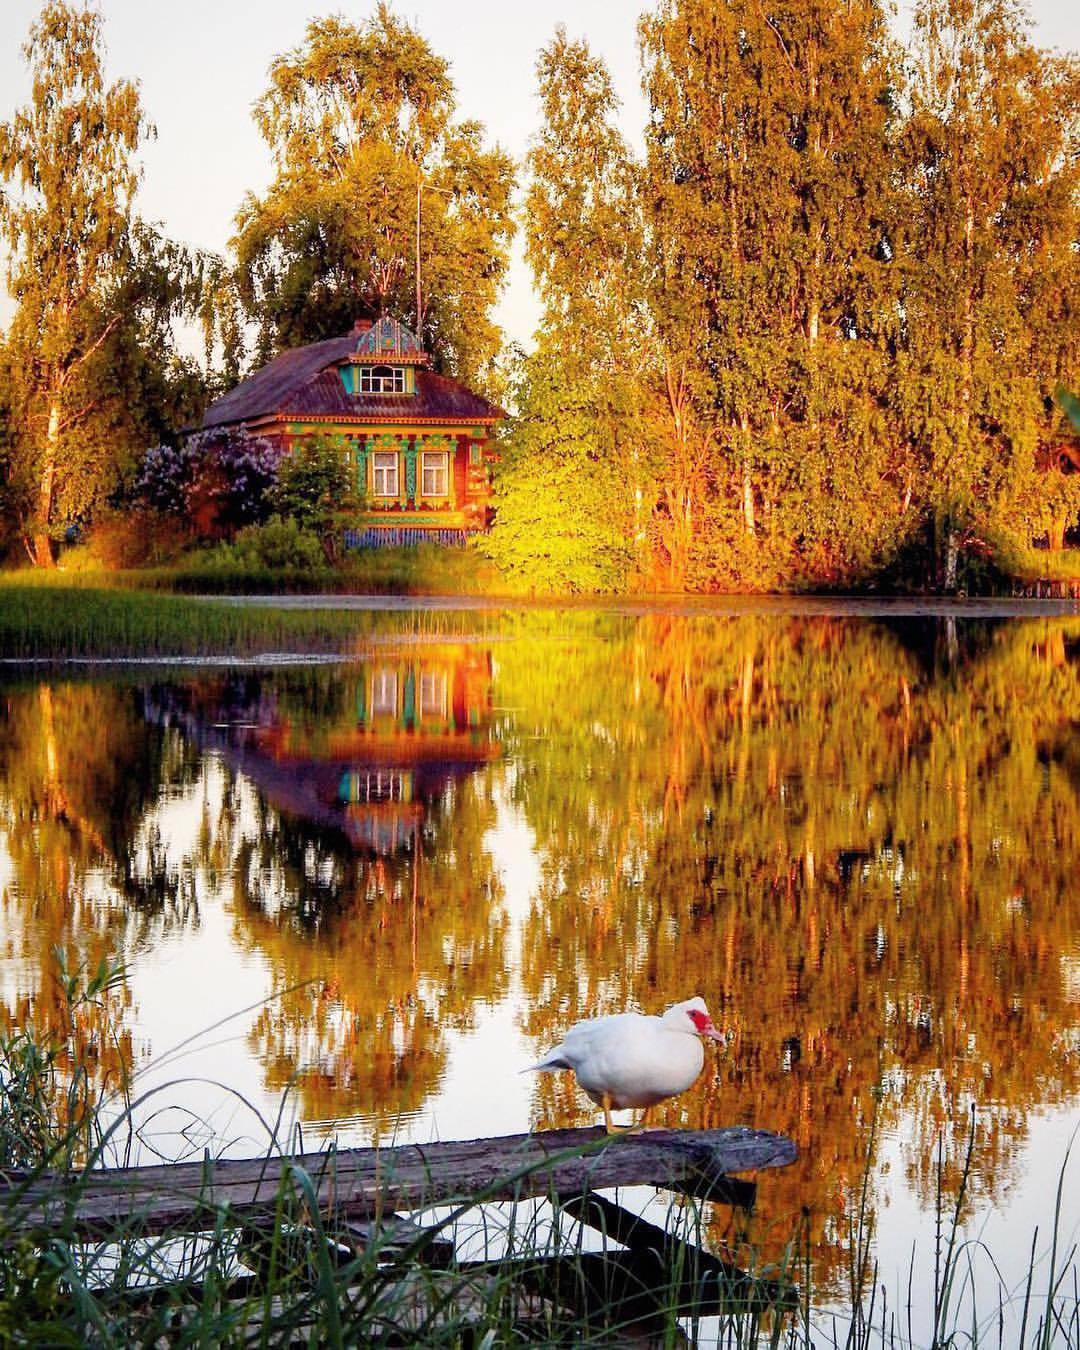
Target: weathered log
point(700, 1283)
point(357, 1184)
point(616, 1290)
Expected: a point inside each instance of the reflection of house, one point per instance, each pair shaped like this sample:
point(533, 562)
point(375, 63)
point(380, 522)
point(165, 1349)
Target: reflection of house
point(419, 443)
point(415, 725)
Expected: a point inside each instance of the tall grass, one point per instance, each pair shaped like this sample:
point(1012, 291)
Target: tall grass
point(424, 570)
point(49, 621)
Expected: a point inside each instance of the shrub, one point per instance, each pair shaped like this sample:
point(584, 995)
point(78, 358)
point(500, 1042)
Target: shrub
point(163, 477)
point(278, 545)
point(314, 485)
point(140, 537)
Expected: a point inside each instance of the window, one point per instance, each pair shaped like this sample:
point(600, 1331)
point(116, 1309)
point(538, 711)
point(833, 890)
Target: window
point(382, 380)
point(433, 693)
point(383, 787)
point(359, 787)
point(476, 453)
point(384, 473)
point(384, 693)
point(435, 474)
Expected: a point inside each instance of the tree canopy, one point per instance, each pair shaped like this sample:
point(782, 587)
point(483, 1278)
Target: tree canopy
point(372, 164)
point(565, 495)
point(839, 289)
point(811, 335)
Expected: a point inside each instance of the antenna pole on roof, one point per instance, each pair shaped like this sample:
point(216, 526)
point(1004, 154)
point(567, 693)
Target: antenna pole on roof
point(419, 298)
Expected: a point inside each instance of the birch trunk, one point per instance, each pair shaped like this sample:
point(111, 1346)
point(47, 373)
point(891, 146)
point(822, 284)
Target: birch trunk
point(42, 543)
point(747, 481)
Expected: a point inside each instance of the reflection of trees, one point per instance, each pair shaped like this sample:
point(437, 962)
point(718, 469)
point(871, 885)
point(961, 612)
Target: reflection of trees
point(389, 953)
point(865, 860)
point(88, 875)
point(360, 869)
point(860, 845)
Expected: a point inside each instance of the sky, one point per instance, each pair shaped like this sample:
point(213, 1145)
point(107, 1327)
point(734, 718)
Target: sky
point(201, 66)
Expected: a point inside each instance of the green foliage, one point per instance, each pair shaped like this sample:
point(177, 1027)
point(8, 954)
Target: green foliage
point(825, 315)
point(567, 510)
point(772, 286)
point(279, 544)
point(315, 488)
point(360, 119)
point(991, 213)
point(561, 506)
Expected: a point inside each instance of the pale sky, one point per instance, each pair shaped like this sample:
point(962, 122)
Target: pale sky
point(202, 64)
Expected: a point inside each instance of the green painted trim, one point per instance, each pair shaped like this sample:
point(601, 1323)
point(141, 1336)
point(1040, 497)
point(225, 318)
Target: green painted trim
point(343, 428)
point(432, 519)
point(362, 477)
point(410, 469)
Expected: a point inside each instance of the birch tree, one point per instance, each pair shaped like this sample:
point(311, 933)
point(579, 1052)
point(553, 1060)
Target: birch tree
point(767, 199)
point(571, 513)
point(66, 217)
point(992, 272)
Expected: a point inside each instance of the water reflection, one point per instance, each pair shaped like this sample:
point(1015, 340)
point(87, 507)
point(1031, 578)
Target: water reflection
point(361, 873)
point(860, 842)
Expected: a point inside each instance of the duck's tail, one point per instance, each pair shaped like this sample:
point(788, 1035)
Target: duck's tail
point(553, 1060)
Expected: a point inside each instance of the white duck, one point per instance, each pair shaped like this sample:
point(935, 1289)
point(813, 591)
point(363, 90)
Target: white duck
point(630, 1060)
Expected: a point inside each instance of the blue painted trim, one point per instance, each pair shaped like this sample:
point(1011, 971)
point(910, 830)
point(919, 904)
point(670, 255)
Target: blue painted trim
point(404, 536)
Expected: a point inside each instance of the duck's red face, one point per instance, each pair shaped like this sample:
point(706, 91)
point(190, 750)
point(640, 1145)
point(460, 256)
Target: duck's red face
point(703, 1025)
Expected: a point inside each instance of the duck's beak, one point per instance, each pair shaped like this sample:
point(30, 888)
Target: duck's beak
point(713, 1034)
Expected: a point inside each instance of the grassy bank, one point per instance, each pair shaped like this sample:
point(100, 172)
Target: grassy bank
point(57, 620)
point(433, 571)
point(427, 570)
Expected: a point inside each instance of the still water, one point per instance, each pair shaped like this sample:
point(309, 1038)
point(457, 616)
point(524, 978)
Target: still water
point(387, 885)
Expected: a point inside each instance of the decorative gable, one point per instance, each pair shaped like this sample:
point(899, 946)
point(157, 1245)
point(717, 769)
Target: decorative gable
point(391, 343)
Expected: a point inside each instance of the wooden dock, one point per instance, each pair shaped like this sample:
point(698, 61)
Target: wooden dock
point(353, 1200)
point(360, 1183)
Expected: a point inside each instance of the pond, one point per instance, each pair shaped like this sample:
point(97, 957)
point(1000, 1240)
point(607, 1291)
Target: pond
point(388, 885)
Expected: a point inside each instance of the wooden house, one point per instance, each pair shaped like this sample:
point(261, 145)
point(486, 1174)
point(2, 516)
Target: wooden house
point(419, 443)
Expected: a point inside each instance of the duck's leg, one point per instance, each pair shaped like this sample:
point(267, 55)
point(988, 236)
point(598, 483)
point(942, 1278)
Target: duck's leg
point(609, 1124)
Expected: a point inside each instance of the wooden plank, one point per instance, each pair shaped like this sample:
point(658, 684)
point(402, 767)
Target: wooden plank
point(395, 1238)
point(703, 1276)
point(362, 1183)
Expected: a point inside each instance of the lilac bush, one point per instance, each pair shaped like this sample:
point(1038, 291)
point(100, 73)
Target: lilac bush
point(218, 480)
point(246, 467)
point(162, 478)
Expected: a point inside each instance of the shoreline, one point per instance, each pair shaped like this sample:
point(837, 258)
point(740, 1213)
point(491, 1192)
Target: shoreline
point(705, 606)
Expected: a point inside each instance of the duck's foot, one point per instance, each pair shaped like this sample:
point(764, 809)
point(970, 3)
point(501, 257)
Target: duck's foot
point(635, 1127)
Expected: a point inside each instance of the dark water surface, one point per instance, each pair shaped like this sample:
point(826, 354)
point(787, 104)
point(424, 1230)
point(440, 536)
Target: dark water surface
point(400, 880)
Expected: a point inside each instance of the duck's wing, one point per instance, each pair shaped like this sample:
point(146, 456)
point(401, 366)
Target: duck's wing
point(595, 1036)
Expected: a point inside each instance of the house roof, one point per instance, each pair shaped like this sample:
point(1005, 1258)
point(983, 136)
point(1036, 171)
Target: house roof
point(304, 383)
